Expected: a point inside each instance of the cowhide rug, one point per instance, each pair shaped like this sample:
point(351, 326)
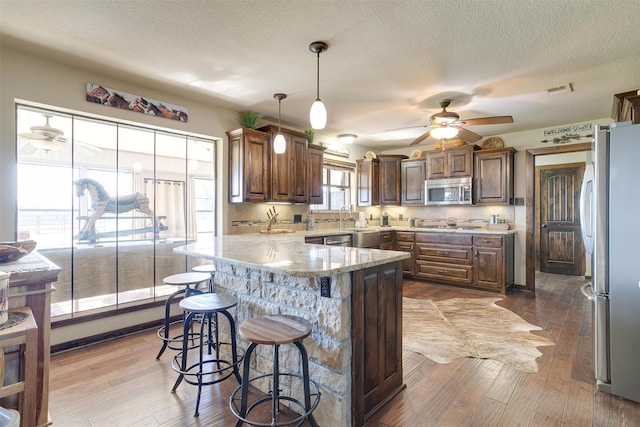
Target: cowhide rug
point(470, 327)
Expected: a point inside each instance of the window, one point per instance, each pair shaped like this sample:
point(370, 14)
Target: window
point(336, 187)
point(108, 202)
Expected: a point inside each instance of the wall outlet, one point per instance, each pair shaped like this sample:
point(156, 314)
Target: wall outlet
point(325, 287)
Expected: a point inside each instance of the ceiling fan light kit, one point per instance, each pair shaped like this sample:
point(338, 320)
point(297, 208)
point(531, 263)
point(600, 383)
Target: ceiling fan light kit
point(444, 132)
point(279, 143)
point(318, 112)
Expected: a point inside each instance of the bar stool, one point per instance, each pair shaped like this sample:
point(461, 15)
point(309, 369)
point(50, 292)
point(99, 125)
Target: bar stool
point(275, 330)
point(207, 268)
point(185, 280)
point(206, 305)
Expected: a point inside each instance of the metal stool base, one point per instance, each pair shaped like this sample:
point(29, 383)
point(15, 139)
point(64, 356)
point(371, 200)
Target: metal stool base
point(314, 395)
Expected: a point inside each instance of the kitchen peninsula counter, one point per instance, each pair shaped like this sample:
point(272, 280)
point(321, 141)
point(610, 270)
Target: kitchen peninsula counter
point(352, 297)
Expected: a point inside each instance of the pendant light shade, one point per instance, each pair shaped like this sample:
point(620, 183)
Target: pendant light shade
point(444, 132)
point(318, 112)
point(279, 143)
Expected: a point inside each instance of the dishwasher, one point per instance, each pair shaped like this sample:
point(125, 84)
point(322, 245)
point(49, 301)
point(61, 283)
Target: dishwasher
point(338, 240)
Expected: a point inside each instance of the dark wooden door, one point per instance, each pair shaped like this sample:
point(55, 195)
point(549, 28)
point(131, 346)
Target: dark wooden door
point(561, 248)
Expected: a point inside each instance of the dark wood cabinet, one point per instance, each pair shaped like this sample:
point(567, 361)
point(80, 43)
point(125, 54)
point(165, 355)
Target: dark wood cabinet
point(493, 176)
point(413, 175)
point(405, 242)
point(444, 257)
point(376, 362)
point(386, 240)
point(390, 178)
point(368, 182)
point(315, 166)
point(289, 170)
point(249, 166)
point(493, 262)
point(452, 162)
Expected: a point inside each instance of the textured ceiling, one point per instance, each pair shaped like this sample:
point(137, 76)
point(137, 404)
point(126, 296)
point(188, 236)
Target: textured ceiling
point(388, 63)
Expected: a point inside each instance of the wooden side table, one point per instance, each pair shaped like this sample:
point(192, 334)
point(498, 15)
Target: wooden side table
point(24, 335)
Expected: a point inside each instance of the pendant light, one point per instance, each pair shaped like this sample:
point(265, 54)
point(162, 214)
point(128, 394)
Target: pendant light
point(318, 113)
point(279, 143)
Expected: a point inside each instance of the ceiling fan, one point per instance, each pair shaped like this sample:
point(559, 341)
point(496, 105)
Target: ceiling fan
point(48, 138)
point(446, 125)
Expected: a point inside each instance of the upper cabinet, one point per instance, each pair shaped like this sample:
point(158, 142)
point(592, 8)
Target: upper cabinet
point(452, 162)
point(257, 174)
point(493, 176)
point(249, 166)
point(413, 176)
point(368, 181)
point(289, 174)
point(390, 178)
point(315, 165)
point(626, 107)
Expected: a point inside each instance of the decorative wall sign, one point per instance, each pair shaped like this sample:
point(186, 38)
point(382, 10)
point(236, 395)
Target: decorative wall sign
point(584, 127)
point(566, 138)
point(126, 101)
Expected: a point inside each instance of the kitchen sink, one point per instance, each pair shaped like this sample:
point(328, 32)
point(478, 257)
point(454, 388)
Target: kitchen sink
point(363, 238)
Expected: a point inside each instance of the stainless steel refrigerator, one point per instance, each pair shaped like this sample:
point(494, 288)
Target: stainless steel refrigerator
point(610, 220)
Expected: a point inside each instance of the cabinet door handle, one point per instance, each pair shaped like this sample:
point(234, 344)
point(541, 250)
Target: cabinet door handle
point(442, 253)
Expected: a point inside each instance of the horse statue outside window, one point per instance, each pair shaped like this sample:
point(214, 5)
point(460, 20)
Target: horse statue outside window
point(102, 203)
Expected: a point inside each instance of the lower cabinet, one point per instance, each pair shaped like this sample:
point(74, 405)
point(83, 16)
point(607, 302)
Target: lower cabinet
point(376, 363)
point(444, 257)
point(386, 240)
point(479, 261)
point(405, 242)
point(493, 262)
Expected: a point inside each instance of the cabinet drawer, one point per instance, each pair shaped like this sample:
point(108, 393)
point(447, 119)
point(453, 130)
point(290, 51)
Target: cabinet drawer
point(386, 237)
point(448, 273)
point(452, 254)
point(488, 241)
point(445, 238)
point(405, 236)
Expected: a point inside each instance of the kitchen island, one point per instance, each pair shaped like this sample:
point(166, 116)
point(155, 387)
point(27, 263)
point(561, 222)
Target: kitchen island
point(352, 297)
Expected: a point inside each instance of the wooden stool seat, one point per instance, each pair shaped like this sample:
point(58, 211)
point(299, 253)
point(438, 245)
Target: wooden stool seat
point(208, 303)
point(184, 279)
point(274, 330)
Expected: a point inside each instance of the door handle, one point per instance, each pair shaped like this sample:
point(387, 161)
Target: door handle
point(544, 225)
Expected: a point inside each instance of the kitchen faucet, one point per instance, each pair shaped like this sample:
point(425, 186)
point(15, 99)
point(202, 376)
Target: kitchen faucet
point(348, 208)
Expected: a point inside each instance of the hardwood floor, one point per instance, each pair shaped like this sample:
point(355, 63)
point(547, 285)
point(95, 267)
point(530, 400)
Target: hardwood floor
point(119, 383)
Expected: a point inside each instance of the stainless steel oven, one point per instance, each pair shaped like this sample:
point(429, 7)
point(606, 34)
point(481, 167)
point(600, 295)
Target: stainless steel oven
point(448, 191)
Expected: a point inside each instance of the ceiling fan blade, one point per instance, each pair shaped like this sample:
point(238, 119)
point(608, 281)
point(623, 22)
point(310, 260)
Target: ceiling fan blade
point(421, 138)
point(33, 135)
point(92, 148)
point(467, 135)
point(28, 149)
point(408, 127)
point(496, 120)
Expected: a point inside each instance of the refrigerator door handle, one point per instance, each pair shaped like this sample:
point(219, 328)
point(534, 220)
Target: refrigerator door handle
point(587, 291)
point(586, 213)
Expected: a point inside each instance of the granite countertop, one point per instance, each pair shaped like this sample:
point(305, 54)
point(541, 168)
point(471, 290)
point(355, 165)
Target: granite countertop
point(289, 254)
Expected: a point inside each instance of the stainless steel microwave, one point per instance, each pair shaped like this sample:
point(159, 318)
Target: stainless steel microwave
point(448, 191)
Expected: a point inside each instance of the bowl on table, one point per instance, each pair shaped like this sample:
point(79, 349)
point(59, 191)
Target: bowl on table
point(13, 251)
